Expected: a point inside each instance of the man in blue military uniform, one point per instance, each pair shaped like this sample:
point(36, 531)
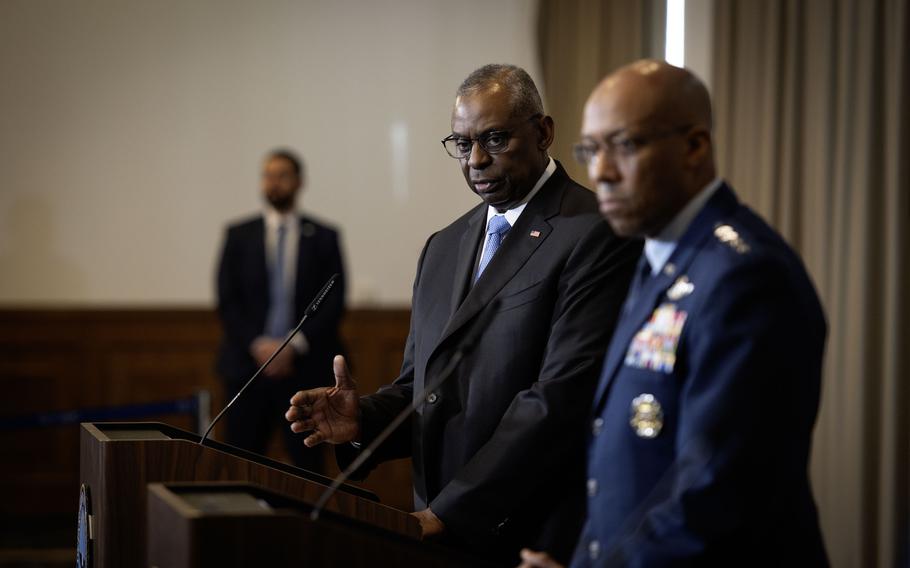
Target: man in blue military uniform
point(702, 420)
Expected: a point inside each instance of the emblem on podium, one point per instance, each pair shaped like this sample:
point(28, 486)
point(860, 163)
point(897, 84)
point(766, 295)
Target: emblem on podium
point(84, 536)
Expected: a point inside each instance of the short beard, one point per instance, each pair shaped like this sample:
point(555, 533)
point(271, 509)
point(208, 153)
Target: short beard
point(281, 203)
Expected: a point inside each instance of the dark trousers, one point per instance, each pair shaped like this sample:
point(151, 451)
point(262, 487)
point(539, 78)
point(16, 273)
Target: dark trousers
point(256, 414)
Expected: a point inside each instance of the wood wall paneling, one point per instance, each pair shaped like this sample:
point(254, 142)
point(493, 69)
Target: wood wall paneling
point(57, 360)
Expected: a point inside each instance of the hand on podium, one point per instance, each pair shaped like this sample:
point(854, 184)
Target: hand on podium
point(531, 559)
point(430, 524)
point(330, 414)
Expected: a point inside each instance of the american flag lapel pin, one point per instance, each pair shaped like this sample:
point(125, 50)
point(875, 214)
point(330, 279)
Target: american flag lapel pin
point(535, 234)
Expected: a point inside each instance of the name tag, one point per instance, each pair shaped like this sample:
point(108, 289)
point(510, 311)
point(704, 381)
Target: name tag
point(654, 346)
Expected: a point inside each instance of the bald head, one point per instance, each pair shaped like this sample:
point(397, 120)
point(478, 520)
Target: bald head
point(647, 135)
point(653, 91)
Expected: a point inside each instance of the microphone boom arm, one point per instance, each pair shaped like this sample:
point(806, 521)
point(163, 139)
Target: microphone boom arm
point(311, 309)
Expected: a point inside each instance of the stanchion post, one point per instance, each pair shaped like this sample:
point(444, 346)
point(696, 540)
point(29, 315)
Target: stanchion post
point(203, 410)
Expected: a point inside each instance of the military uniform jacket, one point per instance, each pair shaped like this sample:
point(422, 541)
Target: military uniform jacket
point(702, 421)
point(499, 448)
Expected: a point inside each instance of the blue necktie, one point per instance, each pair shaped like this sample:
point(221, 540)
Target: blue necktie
point(496, 229)
point(642, 273)
point(279, 321)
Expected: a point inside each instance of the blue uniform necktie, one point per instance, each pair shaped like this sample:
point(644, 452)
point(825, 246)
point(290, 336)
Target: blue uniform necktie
point(496, 229)
point(642, 273)
point(279, 309)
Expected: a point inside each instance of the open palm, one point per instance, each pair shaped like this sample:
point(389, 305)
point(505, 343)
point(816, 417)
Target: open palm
point(330, 414)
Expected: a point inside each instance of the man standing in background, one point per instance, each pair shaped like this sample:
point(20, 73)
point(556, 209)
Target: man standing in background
point(272, 266)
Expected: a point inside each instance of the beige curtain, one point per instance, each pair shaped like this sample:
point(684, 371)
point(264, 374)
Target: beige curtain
point(812, 101)
point(580, 42)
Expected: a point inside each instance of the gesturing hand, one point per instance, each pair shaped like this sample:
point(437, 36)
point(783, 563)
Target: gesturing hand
point(331, 413)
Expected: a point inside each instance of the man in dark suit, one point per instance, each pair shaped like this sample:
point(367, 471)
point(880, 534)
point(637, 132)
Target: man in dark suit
point(271, 267)
point(702, 419)
point(559, 275)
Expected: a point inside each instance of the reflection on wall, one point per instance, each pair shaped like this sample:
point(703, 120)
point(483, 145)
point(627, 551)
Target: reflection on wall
point(31, 260)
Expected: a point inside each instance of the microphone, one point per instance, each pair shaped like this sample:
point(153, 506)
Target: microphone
point(310, 311)
point(466, 346)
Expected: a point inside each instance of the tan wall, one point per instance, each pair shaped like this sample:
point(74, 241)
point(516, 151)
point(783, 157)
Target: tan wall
point(131, 131)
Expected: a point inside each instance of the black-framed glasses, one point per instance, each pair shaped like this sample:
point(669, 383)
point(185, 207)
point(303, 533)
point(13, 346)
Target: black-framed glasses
point(621, 144)
point(492, 142)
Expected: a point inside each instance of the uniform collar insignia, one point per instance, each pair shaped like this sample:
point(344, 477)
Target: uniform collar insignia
point(727, 234)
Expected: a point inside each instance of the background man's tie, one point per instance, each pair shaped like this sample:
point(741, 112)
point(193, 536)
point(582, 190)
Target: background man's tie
point(279, 322)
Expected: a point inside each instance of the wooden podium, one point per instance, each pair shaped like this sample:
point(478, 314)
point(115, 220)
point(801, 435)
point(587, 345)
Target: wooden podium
point(239, 525)
point(118, 460)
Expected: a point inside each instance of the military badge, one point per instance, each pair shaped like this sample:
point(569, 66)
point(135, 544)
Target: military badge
point(654, 346)
point(727, 234)
point(681, 288)
point(647, 416)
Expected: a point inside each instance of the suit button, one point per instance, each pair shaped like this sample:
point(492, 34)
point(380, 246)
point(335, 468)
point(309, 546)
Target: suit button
point(597, 425)
point(432, 398)
point(592, 487)
point(594, 549)
point(498, 529)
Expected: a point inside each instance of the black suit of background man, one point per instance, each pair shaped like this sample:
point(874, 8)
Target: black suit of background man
point(244, 303)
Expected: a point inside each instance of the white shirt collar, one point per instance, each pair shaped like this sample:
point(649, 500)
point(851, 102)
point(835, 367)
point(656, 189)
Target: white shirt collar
point(274, 218)
point(512, 214)
point(659, 249)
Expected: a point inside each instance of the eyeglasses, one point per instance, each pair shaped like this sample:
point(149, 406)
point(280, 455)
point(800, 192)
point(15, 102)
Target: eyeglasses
point(492, 142)
point(620, 144)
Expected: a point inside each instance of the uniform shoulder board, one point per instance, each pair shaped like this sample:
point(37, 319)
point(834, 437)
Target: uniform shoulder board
point(728, 235)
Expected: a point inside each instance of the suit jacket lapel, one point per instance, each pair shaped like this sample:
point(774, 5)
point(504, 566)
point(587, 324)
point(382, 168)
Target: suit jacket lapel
point(628, 326)
point(467, 253)
point(305, 258)
point(721, 204)
point(515, 251)
point(258, 243)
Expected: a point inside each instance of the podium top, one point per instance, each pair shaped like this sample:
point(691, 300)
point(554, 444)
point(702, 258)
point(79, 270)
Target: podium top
point(157, 431)
point(134, 434)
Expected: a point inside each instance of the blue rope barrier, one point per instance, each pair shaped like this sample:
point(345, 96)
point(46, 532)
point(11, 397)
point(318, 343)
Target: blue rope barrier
point(111, 413)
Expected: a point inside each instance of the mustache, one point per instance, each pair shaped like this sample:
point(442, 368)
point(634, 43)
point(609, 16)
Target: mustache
point(604, 189)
